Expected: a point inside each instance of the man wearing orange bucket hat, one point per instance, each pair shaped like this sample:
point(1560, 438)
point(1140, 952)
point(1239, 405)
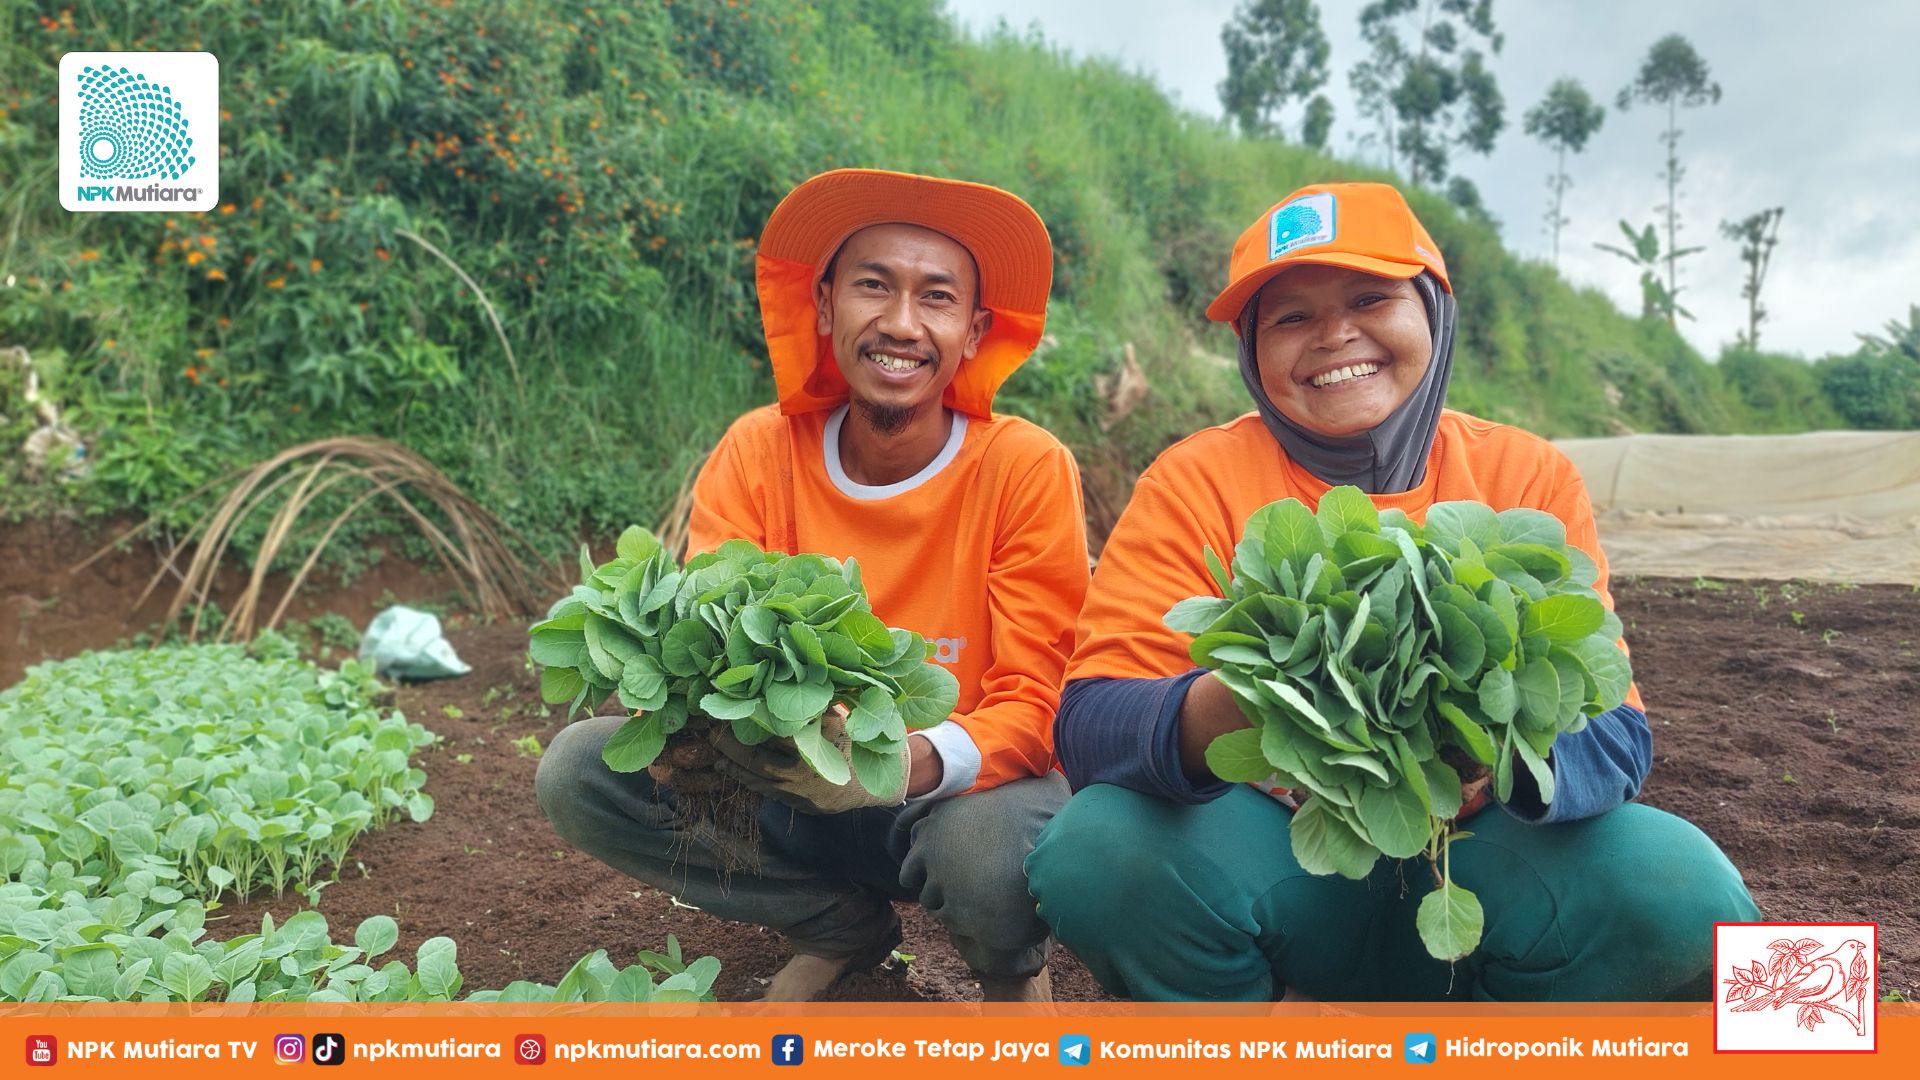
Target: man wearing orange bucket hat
point(1171, 884)
point(894, 306)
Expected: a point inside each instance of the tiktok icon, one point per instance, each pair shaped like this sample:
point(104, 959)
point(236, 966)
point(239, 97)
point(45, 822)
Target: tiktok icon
point(329, 1049)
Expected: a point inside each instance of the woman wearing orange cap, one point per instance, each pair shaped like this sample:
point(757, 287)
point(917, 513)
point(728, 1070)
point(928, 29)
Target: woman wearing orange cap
point(1346, 322)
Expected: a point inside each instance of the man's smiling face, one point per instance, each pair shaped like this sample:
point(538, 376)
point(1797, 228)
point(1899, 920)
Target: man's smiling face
point(901, 309)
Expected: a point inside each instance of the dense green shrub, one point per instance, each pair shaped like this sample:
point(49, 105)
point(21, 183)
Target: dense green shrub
point(1872, 389)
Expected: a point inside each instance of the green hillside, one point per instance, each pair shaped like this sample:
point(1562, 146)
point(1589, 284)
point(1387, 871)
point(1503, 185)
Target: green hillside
point(602, 173)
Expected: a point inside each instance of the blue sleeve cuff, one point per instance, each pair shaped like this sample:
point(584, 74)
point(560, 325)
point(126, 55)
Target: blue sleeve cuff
point(959, 760)
point(1595, 769)
point(1126, 732)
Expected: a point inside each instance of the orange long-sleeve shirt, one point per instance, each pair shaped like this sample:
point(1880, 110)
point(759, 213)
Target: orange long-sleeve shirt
point(1202, 490)
point(984, 553)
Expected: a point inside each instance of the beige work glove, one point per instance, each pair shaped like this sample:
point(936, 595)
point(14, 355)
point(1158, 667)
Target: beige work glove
point(776, 770)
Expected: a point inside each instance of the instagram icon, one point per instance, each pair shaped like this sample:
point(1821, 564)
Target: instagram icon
point(289, 1049)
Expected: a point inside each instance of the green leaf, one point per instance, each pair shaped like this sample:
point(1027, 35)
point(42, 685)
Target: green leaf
point(1408, 764)
point(1416, 567)
point(560, 646)
point(1346, 509)
point(1574, 682)
point(797, 703)
point(1298, 702)
point(1218, 572)
point(187, 975)
point(637, 544)
point(825, 758)
point(1461, 645)
point(1527, 526)
point(1503, 764)
point(841, 651)
point(1450, 922)
point(1564, 619)
point(1443, 784)
point(928, 695)
point(1236, 757)
point(636, 745)
point(661, 594)
point(1498, 698)
point(1394, 819)
point(1538, 766)
point(882, 772)
point(722, 707)
point(869, 633)
point(376, 935)
point(761, 624)
point(1195, 614)
point(1323, 843)
point(806, 642)
point(558, 684)
point(643, 685)
point(1471, 736)
point(1609, 668)
point(875, 716)
point(686, 648)
point(439, 975)
point(1290, 534)
point(1538, 687)
point(1448, 523)
point(1367, 763)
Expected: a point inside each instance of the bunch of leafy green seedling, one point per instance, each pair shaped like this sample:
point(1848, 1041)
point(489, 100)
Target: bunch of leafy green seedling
point(1369, 651)
point(764, 643)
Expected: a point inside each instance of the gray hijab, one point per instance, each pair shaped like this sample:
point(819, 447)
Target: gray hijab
point(1389, 457)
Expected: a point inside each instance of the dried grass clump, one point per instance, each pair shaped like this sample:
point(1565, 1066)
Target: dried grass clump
point(480, 550)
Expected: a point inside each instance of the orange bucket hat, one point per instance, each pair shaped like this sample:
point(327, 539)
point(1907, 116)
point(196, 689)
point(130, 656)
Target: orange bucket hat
point(1008, 242)
point(1366, 227)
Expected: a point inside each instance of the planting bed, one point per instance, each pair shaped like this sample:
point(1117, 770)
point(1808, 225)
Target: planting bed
point(1782, 715)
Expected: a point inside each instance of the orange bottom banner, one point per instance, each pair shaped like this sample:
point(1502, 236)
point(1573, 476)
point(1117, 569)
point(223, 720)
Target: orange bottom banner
point(471, 1041)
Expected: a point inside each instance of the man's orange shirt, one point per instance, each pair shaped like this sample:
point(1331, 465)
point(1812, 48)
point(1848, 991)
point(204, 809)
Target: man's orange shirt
point(1201, 492)
point(984, 553)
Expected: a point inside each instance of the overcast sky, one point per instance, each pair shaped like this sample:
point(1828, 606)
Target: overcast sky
point(1820, 114)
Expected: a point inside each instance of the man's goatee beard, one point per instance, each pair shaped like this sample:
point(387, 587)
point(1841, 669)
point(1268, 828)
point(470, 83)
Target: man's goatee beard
point(888, 420)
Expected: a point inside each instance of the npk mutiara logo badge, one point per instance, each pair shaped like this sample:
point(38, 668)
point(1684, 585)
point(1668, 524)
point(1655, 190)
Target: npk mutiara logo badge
point(139, 131)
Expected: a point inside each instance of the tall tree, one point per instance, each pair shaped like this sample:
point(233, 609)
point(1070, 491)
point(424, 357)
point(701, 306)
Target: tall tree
point(1565, 119)
point(1674, 75)
point(1643, 251)
point(1901, 340)
point(1757, 234)
point(1426, 85)
point(1276, 52)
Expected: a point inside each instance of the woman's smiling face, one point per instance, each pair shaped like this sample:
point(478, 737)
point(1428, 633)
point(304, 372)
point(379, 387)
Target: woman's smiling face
point(1339, 349)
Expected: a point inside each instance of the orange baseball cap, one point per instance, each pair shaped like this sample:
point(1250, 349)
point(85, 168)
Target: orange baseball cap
point(1008, 242)
point(1366, 227)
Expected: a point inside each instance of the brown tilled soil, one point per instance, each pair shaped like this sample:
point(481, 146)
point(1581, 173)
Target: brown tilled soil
point(1782, 720)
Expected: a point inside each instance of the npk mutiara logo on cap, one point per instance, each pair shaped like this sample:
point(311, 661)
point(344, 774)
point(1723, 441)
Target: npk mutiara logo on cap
point(139, 131)
point(1306, 220)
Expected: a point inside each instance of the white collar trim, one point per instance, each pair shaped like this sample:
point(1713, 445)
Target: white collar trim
point(830, 448)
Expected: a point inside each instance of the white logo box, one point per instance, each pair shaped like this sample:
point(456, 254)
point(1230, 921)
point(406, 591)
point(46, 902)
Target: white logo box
point(126, 119)
point(1796, 988)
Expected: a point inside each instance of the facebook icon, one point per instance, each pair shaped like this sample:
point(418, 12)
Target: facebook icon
point(789, 1049)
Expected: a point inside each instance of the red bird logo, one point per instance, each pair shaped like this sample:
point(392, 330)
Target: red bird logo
point(1833, 982)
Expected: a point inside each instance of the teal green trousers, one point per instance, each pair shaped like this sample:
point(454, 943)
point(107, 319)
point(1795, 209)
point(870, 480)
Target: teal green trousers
point(1167, 902)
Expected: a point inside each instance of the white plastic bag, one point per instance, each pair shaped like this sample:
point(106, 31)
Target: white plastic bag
point(407, 644)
